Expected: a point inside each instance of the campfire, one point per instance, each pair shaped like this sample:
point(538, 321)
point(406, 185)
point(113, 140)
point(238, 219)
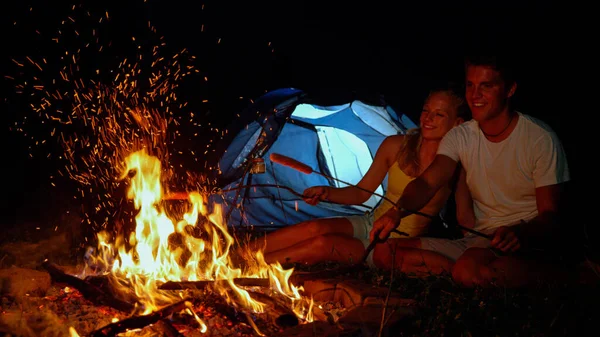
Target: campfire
point(177, 271)
point(171, 261)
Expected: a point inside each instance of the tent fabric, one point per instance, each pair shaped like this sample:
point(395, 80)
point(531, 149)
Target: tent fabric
point(338, 141)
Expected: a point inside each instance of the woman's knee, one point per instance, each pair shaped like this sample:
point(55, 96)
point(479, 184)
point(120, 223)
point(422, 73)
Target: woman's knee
point(321, 242)
point(325, 226)
point(312, 228)
point(330, 242)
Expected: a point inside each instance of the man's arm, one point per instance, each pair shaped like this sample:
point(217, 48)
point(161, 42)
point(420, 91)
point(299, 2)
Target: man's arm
point(423, 188)
point(465, 215)
point(540, 228)
point(546, 222)
point(550, 174)
point(416, 195)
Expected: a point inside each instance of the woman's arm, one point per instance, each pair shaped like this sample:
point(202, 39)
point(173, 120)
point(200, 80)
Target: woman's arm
point(384, 158)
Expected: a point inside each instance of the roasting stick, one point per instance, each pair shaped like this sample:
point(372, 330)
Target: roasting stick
point(298, 166)
point(178, 196)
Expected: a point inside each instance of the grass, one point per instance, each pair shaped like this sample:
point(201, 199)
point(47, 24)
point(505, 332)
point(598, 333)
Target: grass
point(446, 309)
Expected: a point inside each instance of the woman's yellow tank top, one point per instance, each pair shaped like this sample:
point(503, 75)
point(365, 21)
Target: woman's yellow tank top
point(414, 224)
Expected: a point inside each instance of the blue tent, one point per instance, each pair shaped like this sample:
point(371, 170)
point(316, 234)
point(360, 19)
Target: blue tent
point(337, 140)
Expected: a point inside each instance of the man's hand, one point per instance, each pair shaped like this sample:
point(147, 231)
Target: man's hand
point(385, 224)
point(505, 239)
point(313, 195)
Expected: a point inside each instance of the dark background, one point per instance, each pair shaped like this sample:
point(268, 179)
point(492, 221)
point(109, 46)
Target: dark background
point(335, 49)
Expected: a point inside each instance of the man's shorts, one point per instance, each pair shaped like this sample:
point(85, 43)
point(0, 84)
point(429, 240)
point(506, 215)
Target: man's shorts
point(450, 248)
point(453, 249)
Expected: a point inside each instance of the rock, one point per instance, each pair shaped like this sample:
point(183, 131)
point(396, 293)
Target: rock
point(323, 290)
point(316, 328)
point(391, 302)
point(33, 324)
point(30, 255)
point(7, 259)
point(351, 293)
point(18, 282)
point(370, 316)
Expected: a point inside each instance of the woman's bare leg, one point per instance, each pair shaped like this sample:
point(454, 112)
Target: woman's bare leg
point(292, 235)
point(407, 256)
point(328, 247)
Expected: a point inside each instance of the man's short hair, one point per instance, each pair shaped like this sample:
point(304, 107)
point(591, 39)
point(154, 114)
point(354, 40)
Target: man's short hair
point(503, 65)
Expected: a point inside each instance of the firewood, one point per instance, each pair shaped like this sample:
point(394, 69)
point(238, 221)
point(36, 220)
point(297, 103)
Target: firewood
point(89, 291)
point(167, 328)
point(240, 282)
point(139, 322)
point(120, 289)
point(285, 316)
point(298, 277)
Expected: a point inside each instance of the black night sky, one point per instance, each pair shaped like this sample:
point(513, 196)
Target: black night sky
point(394, 49)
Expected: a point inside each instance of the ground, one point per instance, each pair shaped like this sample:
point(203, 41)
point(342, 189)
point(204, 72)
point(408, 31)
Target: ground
point(438, 306)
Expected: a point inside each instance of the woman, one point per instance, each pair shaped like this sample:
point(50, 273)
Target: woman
point(401, 157)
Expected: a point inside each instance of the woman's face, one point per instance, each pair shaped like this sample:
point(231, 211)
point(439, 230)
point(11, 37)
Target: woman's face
point(438, 116)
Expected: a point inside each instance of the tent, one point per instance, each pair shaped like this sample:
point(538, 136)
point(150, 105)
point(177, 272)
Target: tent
point(337, 140)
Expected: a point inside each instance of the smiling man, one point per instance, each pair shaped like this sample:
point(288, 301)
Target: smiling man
point(515, 170)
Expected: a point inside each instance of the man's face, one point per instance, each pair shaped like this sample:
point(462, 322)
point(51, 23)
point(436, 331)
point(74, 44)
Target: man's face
point(486, 92)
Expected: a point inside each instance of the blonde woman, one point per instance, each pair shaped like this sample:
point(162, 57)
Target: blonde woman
point(401, 158)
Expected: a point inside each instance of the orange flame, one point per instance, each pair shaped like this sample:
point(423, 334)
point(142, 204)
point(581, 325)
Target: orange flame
point(161, 249)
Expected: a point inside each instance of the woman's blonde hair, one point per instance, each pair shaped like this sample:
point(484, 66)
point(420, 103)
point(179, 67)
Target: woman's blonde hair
point(408, 154)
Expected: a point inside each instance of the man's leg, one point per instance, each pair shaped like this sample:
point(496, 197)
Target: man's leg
point(483, 267)
point(472, 267)
point(407, 255)
point(328, 247)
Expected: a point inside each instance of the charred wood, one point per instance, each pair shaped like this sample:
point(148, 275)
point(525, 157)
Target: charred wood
point(167, 328)
point(89, 291)
point(118, 288)
point(284, 317)
point(240, 282)
point(139, 322)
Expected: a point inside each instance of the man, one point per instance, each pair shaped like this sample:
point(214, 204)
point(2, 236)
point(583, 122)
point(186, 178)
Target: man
point(515, 171)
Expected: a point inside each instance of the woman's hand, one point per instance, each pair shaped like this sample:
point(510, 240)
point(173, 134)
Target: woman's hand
point(385, 225)
point(313, 195)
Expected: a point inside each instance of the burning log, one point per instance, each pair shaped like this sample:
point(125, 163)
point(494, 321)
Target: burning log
point(139, 322)
point(240, 282)
point(89, 291)
point(118, 288)
point(167, 328)
point(285, 317)
point(299, 277)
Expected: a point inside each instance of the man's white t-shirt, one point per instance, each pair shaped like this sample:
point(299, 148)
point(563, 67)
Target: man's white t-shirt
point(502, 177)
